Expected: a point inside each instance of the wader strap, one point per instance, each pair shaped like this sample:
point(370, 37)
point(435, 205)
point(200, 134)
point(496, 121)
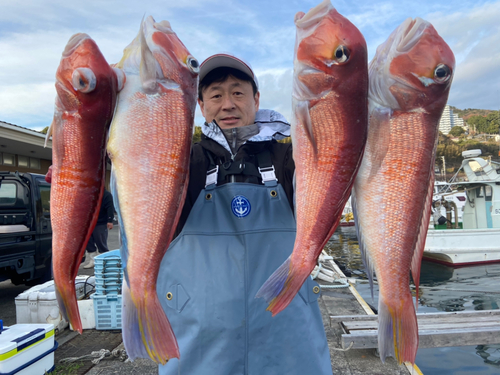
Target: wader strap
point(266, 168)
point(217, 174)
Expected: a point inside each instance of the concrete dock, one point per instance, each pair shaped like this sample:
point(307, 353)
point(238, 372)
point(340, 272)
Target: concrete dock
point(333, 302)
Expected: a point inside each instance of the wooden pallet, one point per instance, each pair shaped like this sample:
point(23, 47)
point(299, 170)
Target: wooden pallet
point(435, 330)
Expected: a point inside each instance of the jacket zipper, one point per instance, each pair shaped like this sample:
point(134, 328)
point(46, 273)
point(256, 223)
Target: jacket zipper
point(233, 131)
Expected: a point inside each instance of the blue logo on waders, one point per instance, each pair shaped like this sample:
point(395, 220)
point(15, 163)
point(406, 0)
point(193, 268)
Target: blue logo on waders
point(240, 206)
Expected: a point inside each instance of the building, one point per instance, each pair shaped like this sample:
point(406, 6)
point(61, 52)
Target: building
point(22, 149)
point(449, 120)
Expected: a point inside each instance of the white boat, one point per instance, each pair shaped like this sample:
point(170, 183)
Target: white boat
point(476, 239)
point(447, 192)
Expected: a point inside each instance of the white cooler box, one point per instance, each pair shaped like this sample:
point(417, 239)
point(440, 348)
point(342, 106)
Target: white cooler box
point(27, 349)
point(39, 304)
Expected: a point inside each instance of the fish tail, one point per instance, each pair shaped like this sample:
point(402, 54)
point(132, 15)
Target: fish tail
point(398, 330)
point(68, 306)
point(146, 330)
point(281, 287)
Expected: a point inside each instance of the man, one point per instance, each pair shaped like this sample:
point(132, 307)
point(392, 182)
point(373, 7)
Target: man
point(98, 241)
point(236, 228)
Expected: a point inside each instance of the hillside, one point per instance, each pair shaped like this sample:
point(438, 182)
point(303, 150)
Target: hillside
point(469, 112)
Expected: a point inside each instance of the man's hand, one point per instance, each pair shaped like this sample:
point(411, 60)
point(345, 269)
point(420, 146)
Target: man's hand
point(110, 226)
point(48, 176)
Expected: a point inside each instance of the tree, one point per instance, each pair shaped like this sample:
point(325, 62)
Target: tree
point(457, 131)
point(44, 130)
point(197, 134)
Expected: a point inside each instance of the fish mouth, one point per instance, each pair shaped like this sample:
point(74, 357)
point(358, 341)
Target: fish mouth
point(314, 15)
point(412, 31)
point(401, 40)
point(73, 43)
point(161, 44)
point(163, 26)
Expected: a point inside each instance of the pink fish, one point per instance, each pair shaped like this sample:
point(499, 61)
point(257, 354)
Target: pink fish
point(149, 145)
point(410, 77)
point(86, 97)
point(328, 133)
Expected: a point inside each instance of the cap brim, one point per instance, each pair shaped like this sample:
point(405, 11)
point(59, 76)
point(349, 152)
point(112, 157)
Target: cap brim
point(223, 60)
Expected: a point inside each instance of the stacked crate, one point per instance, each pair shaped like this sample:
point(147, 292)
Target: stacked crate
point(108, 284)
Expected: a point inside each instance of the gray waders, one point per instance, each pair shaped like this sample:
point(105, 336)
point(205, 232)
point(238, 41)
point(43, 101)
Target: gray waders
point(235, 237)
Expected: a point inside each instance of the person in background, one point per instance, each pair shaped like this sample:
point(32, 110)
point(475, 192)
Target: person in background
point(236, 227)
point(98, 241)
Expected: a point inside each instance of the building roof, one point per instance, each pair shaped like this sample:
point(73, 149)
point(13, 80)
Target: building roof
point(15, 139)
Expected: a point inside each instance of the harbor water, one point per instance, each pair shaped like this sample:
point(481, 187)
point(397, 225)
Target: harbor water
point(442, 289)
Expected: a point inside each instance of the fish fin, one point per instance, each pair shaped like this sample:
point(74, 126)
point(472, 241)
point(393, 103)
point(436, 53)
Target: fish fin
point(398, 330)
point(68, 305)
point(146, 330)
point(303, 117)
point(365, 256)
point(123, 235)
point(416, 261)
point(132, 338)
point(49, 134)
point(147, 69)
point(379, 128)
point(281, 287)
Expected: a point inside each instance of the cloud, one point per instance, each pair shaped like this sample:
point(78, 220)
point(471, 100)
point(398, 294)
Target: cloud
point(28, 108)
point(33, 35)
point(276, 90)
point(474, 37)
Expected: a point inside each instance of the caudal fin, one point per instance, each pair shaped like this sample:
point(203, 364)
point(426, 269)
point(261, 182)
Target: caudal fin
point(281, 287)
point(68, 305)
point(145, 328)
point(398, 330)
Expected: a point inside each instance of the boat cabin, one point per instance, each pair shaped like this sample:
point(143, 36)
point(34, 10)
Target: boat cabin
point(482, 207)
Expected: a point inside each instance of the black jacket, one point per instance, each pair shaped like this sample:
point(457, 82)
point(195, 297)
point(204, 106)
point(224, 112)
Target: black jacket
point(281, 156)
point(107, 211)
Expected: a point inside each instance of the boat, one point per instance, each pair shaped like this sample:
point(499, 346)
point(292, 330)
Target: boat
point(476, 238)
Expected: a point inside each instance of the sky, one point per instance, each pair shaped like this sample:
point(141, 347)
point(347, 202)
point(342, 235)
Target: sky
point(33, 34)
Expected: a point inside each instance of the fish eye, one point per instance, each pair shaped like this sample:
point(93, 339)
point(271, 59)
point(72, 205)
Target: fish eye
point(193, 64)
point(442, 73)
point(83, 80)
point(342, 54)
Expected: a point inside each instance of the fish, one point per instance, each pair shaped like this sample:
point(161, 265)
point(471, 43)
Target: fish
point(329, 132)
point(410, 78)
point(149, 147)
point(86, 88)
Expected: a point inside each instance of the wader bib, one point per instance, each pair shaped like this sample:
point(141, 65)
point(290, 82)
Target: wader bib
point(235, 237)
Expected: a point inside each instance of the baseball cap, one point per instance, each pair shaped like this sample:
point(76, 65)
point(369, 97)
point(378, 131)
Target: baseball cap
point(226, 60)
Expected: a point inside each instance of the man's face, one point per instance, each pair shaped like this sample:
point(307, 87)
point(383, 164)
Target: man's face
point(230, 103)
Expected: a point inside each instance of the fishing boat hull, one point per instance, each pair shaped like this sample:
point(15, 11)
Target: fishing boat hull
point(462, 247)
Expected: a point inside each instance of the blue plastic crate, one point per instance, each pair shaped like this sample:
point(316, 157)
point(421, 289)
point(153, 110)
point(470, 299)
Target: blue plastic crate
point(107, 311)
point(108, 273)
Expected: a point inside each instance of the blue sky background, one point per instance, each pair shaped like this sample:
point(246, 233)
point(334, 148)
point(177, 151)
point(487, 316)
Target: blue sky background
point(33, 34)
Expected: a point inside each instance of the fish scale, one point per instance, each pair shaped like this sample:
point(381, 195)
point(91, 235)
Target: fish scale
point(149, 146)
point(410, 78)
point(81, 119)
point(328, 136)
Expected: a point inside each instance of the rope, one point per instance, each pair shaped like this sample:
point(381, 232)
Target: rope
point(121, 354)
point(321, 260)
point(346, 349)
